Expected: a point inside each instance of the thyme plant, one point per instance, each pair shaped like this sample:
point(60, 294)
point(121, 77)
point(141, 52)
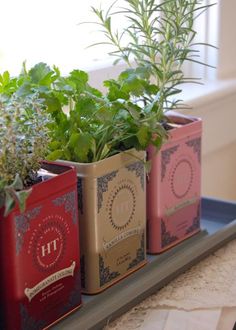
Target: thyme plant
point(24, 139)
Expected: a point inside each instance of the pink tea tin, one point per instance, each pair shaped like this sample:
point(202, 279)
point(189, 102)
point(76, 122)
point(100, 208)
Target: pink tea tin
point(173, 186)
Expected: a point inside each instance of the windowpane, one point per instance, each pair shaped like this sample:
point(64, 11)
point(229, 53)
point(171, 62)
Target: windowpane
point(50, 31)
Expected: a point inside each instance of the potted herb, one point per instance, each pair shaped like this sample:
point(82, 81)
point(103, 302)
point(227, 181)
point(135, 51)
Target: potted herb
point(38, 218)
point(98, 134)
point(155, 42)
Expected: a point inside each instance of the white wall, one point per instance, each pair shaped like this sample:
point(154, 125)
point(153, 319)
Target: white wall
point(219, 140)
point(227, 39)
point(219, 174)
point(217, 108)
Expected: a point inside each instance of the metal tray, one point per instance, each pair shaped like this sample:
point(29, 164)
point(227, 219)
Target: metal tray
point(218, 227)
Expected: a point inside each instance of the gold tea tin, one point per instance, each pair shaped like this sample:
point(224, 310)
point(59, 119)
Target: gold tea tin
point(112, 215)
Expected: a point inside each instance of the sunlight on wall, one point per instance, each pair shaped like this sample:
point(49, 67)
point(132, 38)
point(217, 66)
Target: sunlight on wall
point(48, 31)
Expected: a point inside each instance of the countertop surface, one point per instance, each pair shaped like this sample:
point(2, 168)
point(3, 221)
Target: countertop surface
point(204, 297)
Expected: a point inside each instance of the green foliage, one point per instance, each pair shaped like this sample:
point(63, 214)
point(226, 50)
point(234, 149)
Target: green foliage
point(8, 85)
point(88, 126)
point(158, 39)
point(98, 126)
point(23, 144)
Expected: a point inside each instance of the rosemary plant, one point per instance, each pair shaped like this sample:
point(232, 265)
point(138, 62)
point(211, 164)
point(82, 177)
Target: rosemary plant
point(158, 37)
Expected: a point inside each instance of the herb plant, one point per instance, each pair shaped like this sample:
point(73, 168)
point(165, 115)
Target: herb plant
point(88, 126)
point(23, 144)
point(98, 126)
point(159, 38)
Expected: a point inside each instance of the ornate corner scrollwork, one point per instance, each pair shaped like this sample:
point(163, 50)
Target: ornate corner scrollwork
point(196, 145)
point(28, 322)
point(140, 255)
point(105, 274)
point(166, 158)
point(138, 169)
point(69, 202)
point(102, 186)
point(166, 237)
point(22, 224)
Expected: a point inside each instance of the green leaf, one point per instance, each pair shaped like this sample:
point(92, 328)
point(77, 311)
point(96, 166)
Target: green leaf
point(40, 73)
point(61, 124)
point(53, 104)
point(105, 115)
point(151, 89)
point(9, 203)
point(131, 83)
point(22, 197)
point(54, 145)
point(143, 136)
point(67, 154)
point(85, 107)
point(79, 78)
point(56, 154)
point(131, 142)
point(81, 145)
point(74, 139)
point(143, 72)
point(25, 89)
point(94, 91)
point(114, 90)
point(134, 110)
point(17, 183)
point(93, 146)
point(105, 151)
point(6, 77)
point(157, 142)
point(124, 75)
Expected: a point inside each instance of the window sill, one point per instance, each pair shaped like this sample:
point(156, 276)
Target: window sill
point(215, 103)
point(209, 92)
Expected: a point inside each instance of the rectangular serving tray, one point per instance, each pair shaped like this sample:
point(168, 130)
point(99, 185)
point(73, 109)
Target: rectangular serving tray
point(218, 225)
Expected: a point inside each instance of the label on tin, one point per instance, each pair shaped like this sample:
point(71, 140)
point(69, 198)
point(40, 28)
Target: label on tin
point(47, 243)
point(172, 210)
point(121, 206)
point(121, 237)
point(32, 292)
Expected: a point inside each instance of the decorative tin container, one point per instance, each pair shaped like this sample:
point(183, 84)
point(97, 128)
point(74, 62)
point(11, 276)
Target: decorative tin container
point(39, 255)
point(112, 213)
point(173, 188)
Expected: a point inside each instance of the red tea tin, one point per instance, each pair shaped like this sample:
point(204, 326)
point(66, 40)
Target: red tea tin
point(173, 187)
point(39, 255)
